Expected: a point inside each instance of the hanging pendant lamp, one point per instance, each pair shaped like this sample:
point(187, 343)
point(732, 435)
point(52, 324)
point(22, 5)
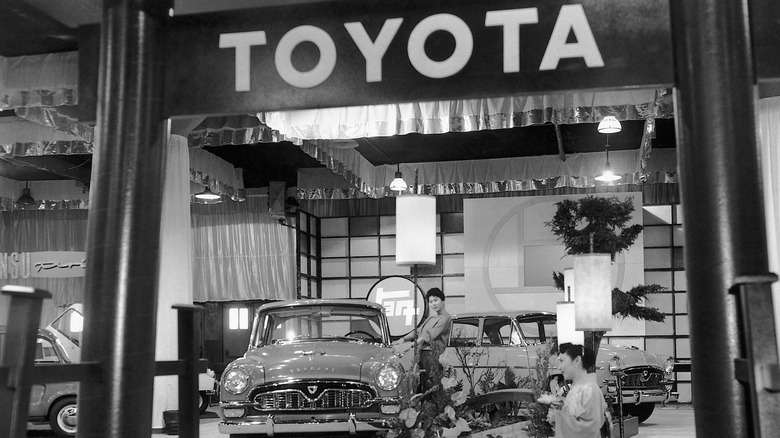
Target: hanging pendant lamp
point(26, 198)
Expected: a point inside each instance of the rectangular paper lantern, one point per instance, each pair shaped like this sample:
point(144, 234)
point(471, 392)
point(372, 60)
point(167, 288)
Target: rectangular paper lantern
point(565, 324)
point(593, 280)
point(415, 230)
point(568, 284)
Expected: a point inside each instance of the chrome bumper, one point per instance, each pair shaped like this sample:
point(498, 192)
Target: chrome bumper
point(349, 423)
point(648, 396)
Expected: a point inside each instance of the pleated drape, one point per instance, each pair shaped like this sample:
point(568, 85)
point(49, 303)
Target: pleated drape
point(241, 253)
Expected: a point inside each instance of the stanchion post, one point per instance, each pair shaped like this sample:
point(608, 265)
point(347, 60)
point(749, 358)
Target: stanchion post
point(189, 422)
point(24, 316)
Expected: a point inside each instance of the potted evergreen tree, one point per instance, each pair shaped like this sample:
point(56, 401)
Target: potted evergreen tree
point(594, 224)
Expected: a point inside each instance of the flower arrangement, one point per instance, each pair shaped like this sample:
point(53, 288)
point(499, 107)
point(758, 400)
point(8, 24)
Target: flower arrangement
point(437, 412)
point(538, 426)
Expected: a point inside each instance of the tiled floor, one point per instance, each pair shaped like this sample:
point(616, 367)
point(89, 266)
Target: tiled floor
point(669, 421)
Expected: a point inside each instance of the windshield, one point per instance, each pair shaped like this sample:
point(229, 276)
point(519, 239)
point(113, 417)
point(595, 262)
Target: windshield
point(289, 324)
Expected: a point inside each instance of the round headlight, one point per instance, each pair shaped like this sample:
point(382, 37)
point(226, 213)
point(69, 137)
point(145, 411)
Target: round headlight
point(669, 365)
point(235, 381)
point(388, 377)
point(615, 363)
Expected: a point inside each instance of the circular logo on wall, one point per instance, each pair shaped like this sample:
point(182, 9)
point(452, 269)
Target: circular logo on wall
point(403, 300)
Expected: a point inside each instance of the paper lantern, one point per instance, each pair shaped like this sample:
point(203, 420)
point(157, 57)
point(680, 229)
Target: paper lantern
point(592, 277)
point(568, 284)
point(415, 230)
point(565, 324)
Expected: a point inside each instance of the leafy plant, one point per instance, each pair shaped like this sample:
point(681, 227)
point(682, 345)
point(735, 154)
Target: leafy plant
point(595, 224)
point(538, 427)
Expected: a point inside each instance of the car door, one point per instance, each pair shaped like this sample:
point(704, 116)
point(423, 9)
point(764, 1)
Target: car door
point(45, 353)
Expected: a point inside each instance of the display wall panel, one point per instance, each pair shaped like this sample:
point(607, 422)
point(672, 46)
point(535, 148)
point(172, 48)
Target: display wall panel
point(335, 268)
point(661, 278)
point(453, 243)
point(335, 288)
point(658, 258)
point(683, 346)
point(681, 322)
point(335, 247)
point(334, 226)
point(363, 226)
point(389, 267)
point(361, 286)
point(657, 214)
point(453, 264)
point(660, 346)
point(364, 246)
point(680, 281)
point(664, 301)
point(455, 286)
point(386, 225)
point(387, 246)
point(681, 302)
point(455, 305)
point(660, 328)
point(657, 236)
point(452, 223)
point(365, 267)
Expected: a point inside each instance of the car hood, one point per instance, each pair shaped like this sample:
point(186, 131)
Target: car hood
point(317, 360)
point(629, 356)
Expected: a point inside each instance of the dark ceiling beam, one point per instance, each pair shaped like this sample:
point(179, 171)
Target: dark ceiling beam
point(52, 165)
point(25, 30)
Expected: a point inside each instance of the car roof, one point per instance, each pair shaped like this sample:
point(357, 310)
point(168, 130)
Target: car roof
point(504, 313)
point(322, 302)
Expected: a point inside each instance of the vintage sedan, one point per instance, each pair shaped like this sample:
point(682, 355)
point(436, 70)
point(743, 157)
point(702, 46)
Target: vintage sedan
point(313, 366)
point(483, 345)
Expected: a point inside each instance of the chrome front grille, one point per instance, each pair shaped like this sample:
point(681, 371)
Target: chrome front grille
point(312, 397)
point(643, 378)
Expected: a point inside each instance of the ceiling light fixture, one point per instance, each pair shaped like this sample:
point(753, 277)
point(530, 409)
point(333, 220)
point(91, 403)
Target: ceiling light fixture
point(26, 198)
point(608, 125)
point(207, 197)
point(398, 184)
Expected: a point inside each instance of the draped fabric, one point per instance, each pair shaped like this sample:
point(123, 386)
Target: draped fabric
point(241, 253)
point(769, 142)
point(215, 173)
point(501, 175)
point(318, 132)
point(175, 276)
point(34, 231)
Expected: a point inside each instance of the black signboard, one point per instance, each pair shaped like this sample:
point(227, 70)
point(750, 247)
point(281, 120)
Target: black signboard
point(356, 52)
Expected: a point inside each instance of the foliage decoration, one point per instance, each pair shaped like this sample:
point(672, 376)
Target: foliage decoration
point(601, 219)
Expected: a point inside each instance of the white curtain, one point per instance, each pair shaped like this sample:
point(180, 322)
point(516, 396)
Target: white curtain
point(241, 253)
point(769, 130)
point(175, 276)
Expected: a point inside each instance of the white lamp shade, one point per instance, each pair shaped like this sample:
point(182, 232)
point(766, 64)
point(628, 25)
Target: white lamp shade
point(592, 277)
point(609, 125)
point(565, 324)
point(568, 284)
point(415, 230)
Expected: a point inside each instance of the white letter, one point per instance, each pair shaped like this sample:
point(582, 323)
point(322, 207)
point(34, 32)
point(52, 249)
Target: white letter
point(571, 18)
point(511, 20)
point(464, 44)
point(242, 41)
point(320, 72)
point(374, 51)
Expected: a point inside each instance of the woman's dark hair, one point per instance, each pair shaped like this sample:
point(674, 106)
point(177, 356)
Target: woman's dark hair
point(574, 350)
point(435, 292)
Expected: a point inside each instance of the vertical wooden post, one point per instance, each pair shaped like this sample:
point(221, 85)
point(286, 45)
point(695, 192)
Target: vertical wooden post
point(24, 317)
point(189, 423)
point(123, 235)
point(722, 198)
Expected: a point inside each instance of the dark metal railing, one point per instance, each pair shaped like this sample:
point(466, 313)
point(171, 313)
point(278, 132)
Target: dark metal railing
point(18, 372)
